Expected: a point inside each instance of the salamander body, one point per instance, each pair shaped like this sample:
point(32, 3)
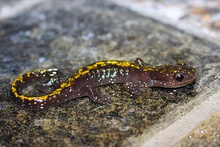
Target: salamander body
point(136, 76)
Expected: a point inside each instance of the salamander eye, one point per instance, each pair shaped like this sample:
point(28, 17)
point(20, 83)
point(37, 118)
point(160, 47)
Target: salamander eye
point(179, 76)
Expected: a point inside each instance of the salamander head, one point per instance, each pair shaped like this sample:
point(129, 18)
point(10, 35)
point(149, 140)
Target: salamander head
point(172, 76)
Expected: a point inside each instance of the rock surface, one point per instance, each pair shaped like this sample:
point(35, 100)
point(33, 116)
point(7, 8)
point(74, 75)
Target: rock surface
point(71, 34)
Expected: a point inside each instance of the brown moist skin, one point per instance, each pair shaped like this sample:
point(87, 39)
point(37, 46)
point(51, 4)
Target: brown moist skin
point(136, 76)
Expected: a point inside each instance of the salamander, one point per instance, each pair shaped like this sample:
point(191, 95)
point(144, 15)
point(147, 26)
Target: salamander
point(137, 77)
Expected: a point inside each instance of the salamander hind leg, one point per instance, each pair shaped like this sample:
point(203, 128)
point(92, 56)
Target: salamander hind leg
point(50, 81)
point(136, 87)
point(96, 97)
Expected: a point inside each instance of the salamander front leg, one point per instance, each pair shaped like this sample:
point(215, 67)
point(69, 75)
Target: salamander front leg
point(96, 97)
point(136, 87)
point(140, 62)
